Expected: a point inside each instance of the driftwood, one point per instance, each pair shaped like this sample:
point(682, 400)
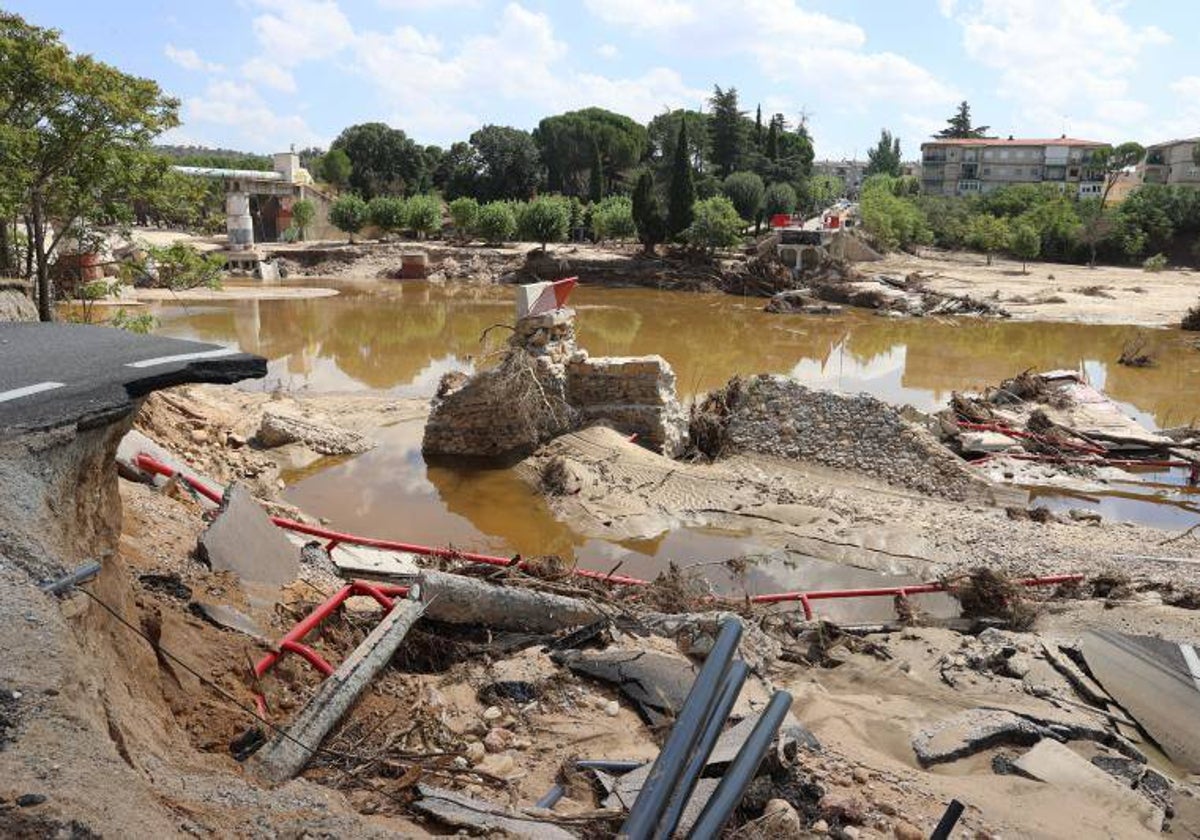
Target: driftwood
point(457, 599)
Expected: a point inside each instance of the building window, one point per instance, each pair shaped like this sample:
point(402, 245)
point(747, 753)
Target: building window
point(987, 170)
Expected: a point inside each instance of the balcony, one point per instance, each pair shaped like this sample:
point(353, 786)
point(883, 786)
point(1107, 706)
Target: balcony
point(933, 157)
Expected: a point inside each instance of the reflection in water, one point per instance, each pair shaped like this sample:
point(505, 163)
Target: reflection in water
point(399, 338)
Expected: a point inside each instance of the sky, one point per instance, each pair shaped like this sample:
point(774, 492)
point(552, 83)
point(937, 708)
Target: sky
point(260, 76)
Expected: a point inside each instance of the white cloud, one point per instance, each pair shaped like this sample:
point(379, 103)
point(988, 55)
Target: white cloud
point(301, 30)
point(1061, 61)
point(265, 72)
point(189, 59)
point(245, 115)
point(426, 5)
point(607, 51)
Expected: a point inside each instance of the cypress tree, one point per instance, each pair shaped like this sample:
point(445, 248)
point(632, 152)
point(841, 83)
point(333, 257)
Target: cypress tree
point(773, 140)
point(647, 214)
point(682, 196)
point(758, 132)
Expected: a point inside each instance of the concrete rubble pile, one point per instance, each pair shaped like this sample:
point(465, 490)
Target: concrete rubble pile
point(544, 386)
point(891, 296)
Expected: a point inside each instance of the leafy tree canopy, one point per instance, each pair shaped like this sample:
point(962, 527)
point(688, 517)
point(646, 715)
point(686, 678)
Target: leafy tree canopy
point(569, 142)
point(383, 160)
point(884, 158)
point(959, 127)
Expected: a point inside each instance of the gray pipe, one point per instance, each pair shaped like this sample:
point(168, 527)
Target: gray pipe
point(697, 708)
point(85, 572)
point(704, 747)
point(741, 772)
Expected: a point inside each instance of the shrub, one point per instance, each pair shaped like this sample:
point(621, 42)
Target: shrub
point(496, 223)
point(303, 214)
point(349, 214)
point(463, 212)
point(388, 213)
point(715, 224)
point(1155, 263)
point(425, 214)
point(779, 198)
point(612, 218)
point(1191, 321)
point(745, 190)
point(545, 220)
point(1025, 243)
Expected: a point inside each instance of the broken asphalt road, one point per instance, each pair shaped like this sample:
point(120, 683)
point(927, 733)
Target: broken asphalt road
point(54, 375)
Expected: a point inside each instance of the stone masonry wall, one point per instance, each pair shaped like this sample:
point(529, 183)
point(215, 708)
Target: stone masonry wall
point(774, 415)
point(545, 386)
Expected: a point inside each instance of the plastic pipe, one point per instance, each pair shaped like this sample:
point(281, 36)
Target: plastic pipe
point(704, 747)
point(697, 708)
point(614, 766)
point(891, 591)
point(550, 798)
point(741, 772)
point(1020, 434)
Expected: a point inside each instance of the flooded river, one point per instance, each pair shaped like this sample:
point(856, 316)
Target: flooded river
point(399, 338)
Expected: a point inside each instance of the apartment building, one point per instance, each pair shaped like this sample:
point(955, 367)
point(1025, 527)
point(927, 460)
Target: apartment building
point(853, 172)
point(974, 167)
point(1171, 163)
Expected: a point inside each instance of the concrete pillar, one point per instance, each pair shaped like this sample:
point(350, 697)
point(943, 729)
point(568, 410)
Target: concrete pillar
point(238, 222)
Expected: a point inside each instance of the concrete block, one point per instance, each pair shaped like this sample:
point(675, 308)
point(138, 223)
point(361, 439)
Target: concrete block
point(243, 540)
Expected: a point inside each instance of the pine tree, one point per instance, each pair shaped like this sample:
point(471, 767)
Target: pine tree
point(773, 136)
point(596, 183)
point(682, 196)
point(885, 157)
point(726, 125)
point(958, 127)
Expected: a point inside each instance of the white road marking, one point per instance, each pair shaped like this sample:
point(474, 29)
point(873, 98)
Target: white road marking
point(184, 357)
point(1193, 662)
point(28, 390)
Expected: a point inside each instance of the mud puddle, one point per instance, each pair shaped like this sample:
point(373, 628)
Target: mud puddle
point(399, 338)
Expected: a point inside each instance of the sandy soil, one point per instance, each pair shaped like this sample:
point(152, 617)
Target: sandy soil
point(228, 291)
point(1055, 291)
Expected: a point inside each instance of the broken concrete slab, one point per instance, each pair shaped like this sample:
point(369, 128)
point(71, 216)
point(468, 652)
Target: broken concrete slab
point(462, 811)
point(229, 618)
point(1087, 687)
point(290, 750)
point(363, 561)
point(695, 804)
point(656, 683)
point(1152, 680)
point(985, 443)
point(973, 731)
point(280, 427)
point(695, 633)
point(243, 540)
point(1053, 763)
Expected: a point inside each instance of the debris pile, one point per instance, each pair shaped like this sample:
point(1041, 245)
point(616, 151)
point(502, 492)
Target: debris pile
point(774, 415)
point(1058, 422)
point(888, 295)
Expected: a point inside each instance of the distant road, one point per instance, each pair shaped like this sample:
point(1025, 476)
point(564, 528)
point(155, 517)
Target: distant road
point(53, 375)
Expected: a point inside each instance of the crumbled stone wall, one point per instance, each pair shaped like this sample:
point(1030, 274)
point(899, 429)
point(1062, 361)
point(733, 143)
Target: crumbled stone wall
point(545, 386)
point(635, 394)
point(774, 415)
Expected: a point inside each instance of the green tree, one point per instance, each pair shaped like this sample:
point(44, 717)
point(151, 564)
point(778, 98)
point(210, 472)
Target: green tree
point(334, 168)
point(612, 218)
point(349, 214)
point(758, 129)
point(779, 199)
point(425, 214)
point(1026, 244)
point(959, 127)
point(545, 220)
point(727, 130)
point(663, 132)
point(568, 143)
point(1096, 223)
point(773, 130)
point(647, 213)
point(884, 159)
point(715, 224)
point(892, 221)
point(304, 212)
point(75, 138)
point(682, 194)
point(463, 212)
point(746, 191)
point(458, 173)
point(383, 161)
point(389, 213)
point(507, 164)
point(823, 190)
point(988, 233)
point(496, 223)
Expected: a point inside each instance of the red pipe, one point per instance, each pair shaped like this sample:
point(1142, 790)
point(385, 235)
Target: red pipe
point(151, 464)
point(1096, 462)
point(1018, 433)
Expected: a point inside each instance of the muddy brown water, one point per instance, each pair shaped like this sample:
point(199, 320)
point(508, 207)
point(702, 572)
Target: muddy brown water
point(399, 338)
